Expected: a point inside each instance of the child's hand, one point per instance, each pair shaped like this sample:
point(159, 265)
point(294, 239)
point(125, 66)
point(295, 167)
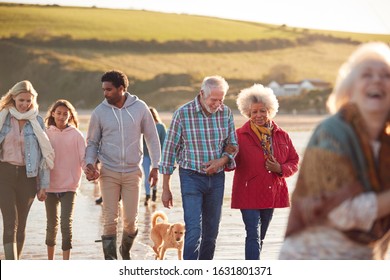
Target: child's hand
point(91, 173)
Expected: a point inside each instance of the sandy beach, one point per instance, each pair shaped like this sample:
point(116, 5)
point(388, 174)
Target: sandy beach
point(87, 225)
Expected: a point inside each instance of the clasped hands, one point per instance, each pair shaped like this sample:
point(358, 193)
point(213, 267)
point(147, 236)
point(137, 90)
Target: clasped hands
point(91, 172)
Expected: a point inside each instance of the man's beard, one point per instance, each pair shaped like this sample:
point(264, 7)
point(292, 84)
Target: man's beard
point(208, 109)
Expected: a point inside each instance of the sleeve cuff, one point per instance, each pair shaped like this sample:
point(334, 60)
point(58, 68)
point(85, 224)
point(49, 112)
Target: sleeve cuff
point(231, 157)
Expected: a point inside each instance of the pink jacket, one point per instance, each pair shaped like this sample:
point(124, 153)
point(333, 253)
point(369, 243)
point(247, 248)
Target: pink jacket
point(69, 147)
point(253, 186)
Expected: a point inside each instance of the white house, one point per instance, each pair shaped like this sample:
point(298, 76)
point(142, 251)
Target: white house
point(290, 89)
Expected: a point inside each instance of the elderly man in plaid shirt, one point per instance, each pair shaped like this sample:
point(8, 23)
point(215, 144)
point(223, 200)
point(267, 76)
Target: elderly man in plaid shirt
point(202, 140)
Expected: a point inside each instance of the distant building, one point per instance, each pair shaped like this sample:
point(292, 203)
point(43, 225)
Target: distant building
point(290, 89)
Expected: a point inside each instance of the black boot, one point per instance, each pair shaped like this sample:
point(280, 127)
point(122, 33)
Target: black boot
point(127, 243)
point(99, 200)
point(109, 247)
point(154, 195)
point(147, 200)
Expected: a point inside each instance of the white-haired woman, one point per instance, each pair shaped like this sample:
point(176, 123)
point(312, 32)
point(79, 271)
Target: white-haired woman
point(25, 159)
point(340, 208)
point(266, 157)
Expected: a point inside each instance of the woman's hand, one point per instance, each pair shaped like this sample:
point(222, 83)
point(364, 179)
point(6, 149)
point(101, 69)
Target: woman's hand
point(41, 195)
point(273, 165)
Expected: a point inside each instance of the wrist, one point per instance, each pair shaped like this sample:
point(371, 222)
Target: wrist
point(229, 156)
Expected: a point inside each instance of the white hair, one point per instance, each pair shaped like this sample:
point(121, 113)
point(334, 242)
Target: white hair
point(212, 82)
point(257, 94)
point(348, 72)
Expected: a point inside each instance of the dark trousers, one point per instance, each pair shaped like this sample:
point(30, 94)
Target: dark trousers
point(17, 193)
point(60, 206)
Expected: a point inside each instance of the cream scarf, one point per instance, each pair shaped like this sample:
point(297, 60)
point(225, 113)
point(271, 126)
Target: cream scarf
point(43, 140)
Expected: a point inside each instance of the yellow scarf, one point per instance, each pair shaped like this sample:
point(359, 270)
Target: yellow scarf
point(264, 133)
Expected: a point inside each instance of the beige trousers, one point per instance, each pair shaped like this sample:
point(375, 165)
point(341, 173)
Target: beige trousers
point(125, 185)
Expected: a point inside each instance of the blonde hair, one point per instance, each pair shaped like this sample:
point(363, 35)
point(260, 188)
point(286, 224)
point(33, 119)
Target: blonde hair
point(25, 86)
point(348, 72)
point(257, 94)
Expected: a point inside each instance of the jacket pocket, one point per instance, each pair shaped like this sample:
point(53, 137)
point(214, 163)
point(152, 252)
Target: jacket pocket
point(111, 152)
point(133, 155)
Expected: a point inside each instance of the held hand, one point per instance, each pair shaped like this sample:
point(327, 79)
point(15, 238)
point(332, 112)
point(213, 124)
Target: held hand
point(212, 166)
point(93, 176)
point(91, 172)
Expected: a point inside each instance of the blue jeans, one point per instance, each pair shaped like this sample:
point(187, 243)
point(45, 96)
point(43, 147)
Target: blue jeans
point(146, 163)
point(202, 198)
point(255, 219)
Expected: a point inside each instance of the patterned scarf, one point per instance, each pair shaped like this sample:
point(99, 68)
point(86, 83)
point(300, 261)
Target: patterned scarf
point(351, 115)
point(264, 133)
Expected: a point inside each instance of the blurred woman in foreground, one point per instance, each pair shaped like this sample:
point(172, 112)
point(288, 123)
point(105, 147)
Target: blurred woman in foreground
point(341, 203)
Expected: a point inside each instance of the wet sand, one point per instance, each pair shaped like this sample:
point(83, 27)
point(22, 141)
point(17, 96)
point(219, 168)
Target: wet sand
point(87, 225)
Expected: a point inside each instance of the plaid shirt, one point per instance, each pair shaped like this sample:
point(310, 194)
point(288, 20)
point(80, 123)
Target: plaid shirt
point(194, 139)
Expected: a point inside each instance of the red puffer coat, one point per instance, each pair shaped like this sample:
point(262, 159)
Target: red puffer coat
point(253, 186)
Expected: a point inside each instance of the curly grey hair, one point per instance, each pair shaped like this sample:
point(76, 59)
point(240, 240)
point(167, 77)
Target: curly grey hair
point(257, 94)
point(349, 72)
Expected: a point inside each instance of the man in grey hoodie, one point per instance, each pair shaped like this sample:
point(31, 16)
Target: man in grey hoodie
point(115, 139)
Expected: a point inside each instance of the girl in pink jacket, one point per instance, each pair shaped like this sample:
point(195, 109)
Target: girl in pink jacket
point(69, 146)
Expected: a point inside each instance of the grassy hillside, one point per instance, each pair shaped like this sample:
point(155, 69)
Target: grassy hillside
point(112, 25)
point(64, 51)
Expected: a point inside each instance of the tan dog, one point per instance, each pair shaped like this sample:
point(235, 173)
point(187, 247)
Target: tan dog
point(166, 235)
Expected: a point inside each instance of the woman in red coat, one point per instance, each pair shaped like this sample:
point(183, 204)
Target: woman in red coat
point(266, 157)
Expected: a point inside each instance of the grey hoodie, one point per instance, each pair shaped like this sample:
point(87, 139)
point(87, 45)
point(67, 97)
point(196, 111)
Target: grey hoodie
point(115, 135)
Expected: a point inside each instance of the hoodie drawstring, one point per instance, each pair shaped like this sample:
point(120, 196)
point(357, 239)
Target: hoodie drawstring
point(130, 115)
point(117, 119)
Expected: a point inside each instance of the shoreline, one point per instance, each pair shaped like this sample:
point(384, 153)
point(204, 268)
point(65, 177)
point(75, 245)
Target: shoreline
point(288, 122)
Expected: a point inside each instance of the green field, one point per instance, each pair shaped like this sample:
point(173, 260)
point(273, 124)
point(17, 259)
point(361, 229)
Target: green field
point(112, 25)
point(64, 51)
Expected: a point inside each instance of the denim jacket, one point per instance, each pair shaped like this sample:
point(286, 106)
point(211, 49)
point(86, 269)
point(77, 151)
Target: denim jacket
point(33, 154)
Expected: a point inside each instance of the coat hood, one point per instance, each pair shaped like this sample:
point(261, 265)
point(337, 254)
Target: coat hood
point(130, 100)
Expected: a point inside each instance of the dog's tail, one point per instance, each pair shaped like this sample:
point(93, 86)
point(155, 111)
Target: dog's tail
point(158, 214)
